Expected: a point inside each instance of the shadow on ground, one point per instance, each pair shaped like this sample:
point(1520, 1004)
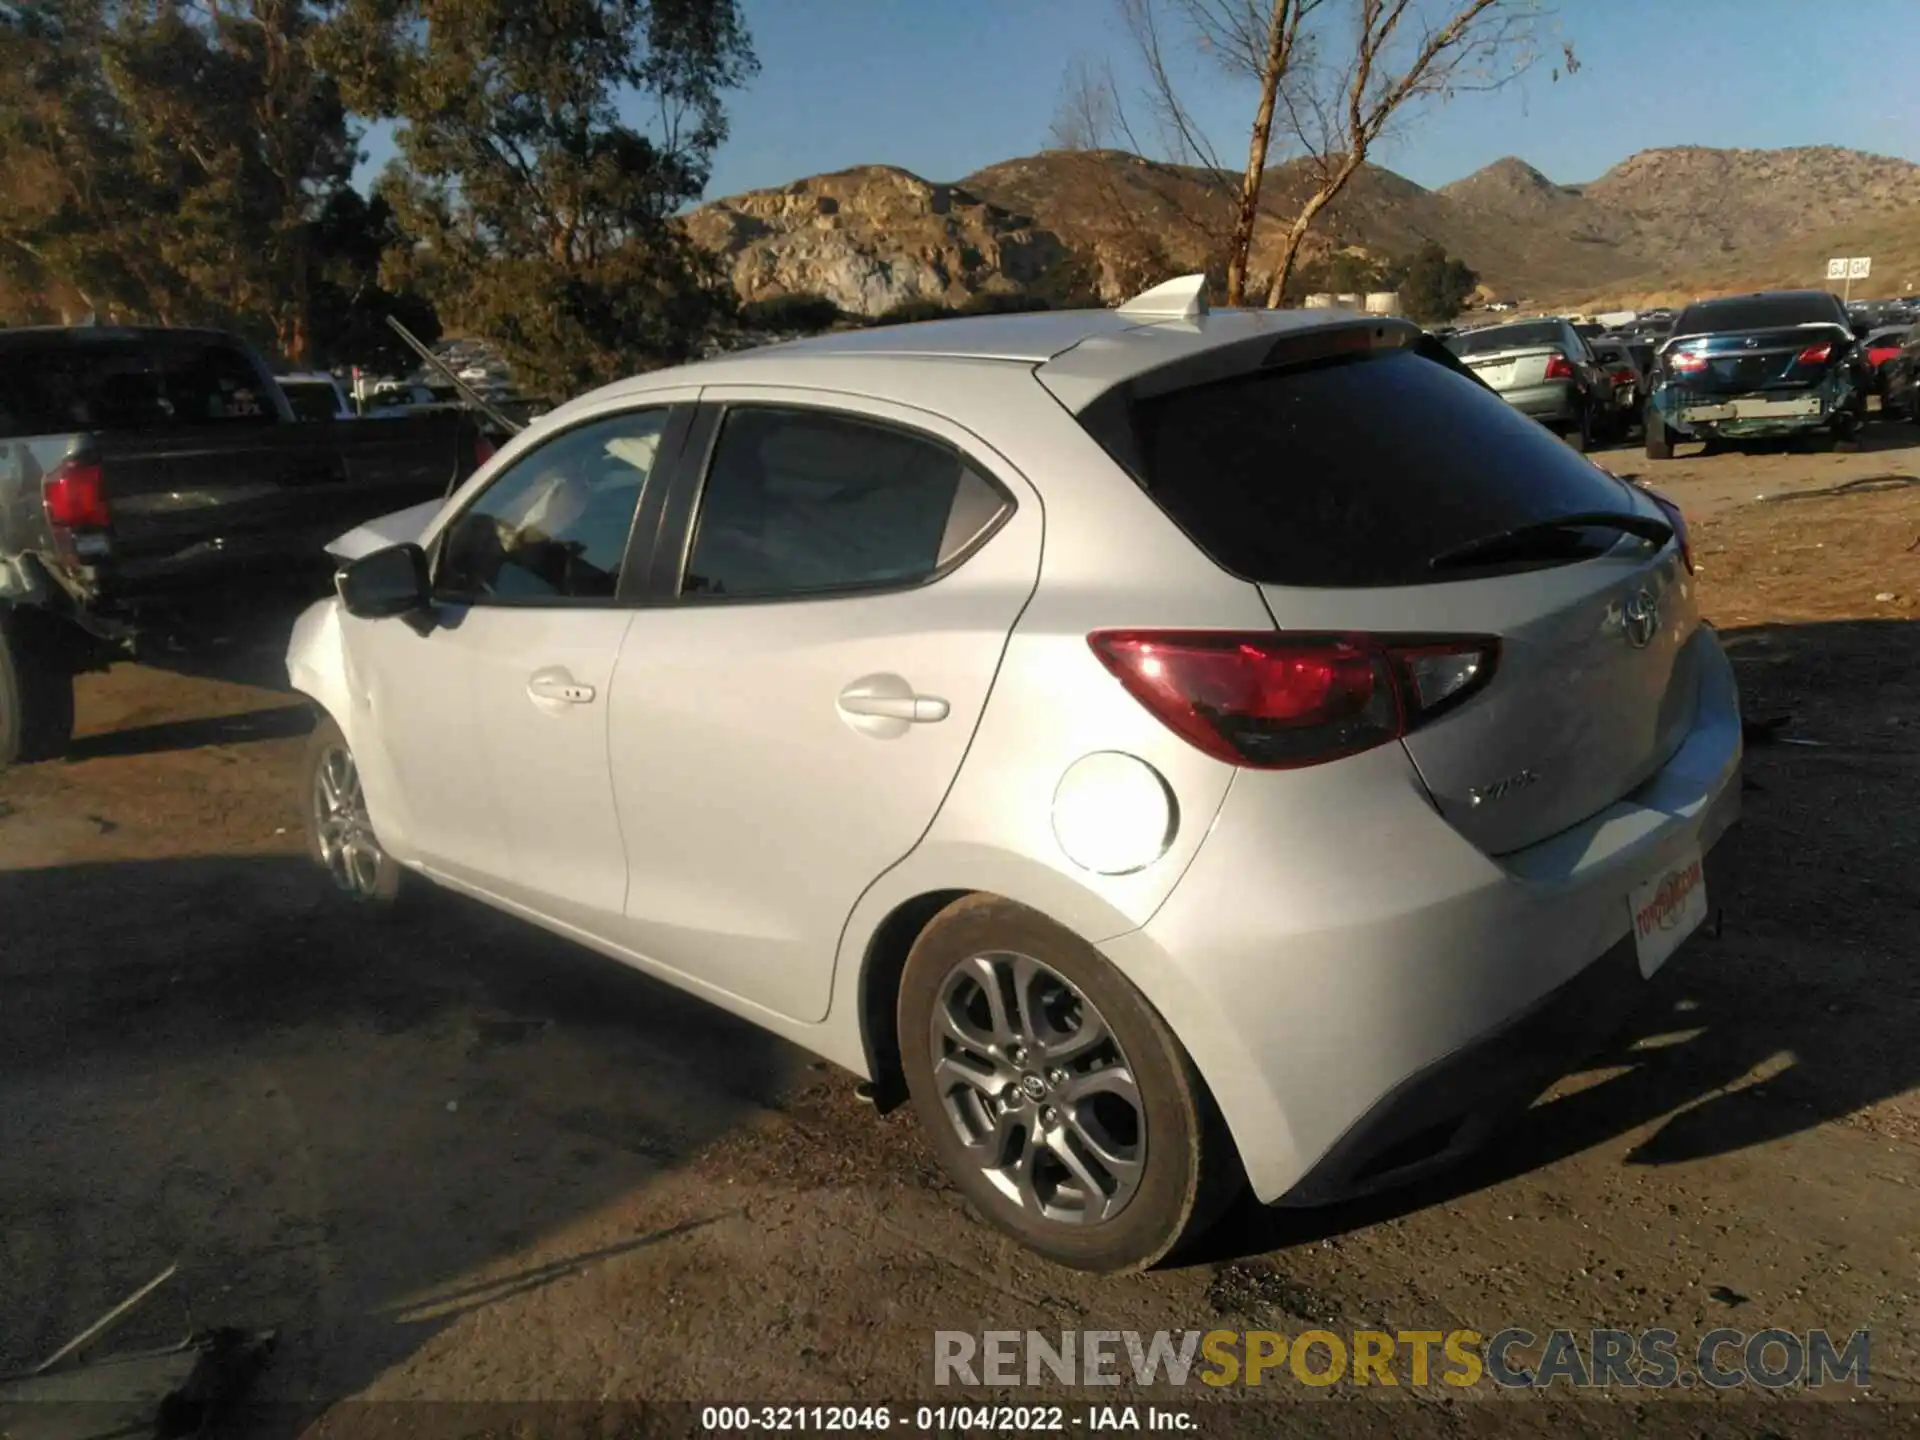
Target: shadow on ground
point(276, 722)
point(352, 1131)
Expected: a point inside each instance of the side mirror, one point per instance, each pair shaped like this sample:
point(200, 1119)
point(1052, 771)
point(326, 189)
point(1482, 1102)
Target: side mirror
point(386, 583)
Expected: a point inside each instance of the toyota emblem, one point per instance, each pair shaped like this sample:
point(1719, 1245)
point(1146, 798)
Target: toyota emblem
point(1641, 619)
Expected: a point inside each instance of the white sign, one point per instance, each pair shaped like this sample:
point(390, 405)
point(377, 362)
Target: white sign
point(1859, 267)
point(1837, 269)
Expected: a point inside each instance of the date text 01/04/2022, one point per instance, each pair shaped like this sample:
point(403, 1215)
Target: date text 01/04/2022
point(939, 1419)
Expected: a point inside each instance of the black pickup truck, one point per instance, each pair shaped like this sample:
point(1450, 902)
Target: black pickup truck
point(153, 478)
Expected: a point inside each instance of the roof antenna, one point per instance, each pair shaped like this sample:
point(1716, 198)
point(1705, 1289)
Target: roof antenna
point(1183, 298)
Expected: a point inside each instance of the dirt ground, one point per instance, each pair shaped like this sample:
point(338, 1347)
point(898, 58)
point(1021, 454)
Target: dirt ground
point(455, 1159)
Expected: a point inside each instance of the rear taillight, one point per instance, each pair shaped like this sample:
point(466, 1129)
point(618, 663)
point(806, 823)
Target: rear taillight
point(1559, 369)
point(74, 495)
point(483, 451)
point(1679, 523)
point(1277, 701)
point(1625, 376)
point(1686, 362)
point(1815, 354)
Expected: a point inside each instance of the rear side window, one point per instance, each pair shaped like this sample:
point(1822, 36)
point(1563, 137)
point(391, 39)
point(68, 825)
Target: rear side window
point(805, 502)
point(1352, 473)
point(1758, 312)
point(1507, 337)
point(113, 383)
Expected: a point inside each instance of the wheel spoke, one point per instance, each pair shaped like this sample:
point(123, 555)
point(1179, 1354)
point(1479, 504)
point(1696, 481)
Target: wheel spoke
point(962, 1068)
point(1064, 1148)
point(986, 974)
point(1124, 1168)
point(1028, 975)
point(1021, 1168)
point(1082, 1041)
point(1116, 1080)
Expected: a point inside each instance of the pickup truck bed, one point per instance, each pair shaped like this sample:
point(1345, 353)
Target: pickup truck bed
point(146, 475)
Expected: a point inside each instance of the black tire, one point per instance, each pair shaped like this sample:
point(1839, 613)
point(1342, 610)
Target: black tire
point(36, 689)
point(1659, 438)
point(370, 878)
point(1188, 1172)
point(1580, 437)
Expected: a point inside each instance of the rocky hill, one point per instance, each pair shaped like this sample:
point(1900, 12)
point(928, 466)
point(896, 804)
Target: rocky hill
point(874, 236)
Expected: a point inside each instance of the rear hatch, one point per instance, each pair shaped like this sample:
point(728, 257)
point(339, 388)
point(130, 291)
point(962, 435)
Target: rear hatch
point(1384, 495)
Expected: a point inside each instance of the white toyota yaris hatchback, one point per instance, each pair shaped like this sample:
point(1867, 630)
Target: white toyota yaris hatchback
point(1176, 750)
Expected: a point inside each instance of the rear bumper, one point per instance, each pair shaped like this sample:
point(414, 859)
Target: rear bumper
point(1557, 403)
point(1366, 993)
point(1449, 1107)
point(1679, 409)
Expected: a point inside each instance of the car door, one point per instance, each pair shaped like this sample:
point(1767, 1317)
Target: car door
point(835, 586)
point(498, 727)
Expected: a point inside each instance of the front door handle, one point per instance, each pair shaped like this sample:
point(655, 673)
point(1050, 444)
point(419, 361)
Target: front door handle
point(556, 684)
point(916, 709)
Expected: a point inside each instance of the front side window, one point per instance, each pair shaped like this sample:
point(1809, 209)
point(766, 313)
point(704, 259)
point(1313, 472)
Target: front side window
point(800, 502)
point(554, 525)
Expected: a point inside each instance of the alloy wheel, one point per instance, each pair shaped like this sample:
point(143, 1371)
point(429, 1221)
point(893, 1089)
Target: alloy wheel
point(1038, 1089)
point(347, 845)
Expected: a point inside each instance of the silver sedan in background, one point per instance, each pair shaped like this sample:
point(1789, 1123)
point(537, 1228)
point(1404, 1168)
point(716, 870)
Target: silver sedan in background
point(1543, 368)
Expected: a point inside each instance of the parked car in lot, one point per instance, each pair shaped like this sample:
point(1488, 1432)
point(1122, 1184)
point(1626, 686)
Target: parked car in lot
point(1900, 381)
point(1751, 366)
point(1543, 369)
point(146, 474)
point(1878, 350)
point(1625, 363)
point(316, 396)
point(1331, 776)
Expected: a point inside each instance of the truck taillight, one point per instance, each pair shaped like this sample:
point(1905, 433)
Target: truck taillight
point(74, 495)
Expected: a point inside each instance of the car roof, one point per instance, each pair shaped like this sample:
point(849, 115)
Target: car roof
point(1079, 353)
point(1766, 295)
point(99, 334)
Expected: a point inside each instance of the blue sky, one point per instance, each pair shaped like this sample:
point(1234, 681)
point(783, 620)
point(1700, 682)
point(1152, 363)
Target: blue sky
point(943, 87)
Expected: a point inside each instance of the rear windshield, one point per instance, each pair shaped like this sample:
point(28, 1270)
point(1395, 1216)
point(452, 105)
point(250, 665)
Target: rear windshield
point(311, 399)
point(66, 384)
point(1506, 337)
point(1757, 312)
point(1353, 473)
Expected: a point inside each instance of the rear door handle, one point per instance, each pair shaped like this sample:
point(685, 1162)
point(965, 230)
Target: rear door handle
point(916, 709)
point(557, 684)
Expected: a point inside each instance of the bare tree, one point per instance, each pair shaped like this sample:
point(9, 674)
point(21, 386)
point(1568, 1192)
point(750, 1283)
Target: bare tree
point(1397, 54)
point(1332, 75)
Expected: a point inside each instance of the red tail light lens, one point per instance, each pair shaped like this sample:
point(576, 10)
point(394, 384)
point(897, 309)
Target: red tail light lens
point(1679, 523)
point(74, 495)
point(1815, 354)
point(1686, 362)
point(483, 450)
point(1277, 701)
point(1625, 376)
point(1559, 369)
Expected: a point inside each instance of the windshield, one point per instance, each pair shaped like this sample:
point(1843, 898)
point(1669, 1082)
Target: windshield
point(1356, 472)
point(1506, 337)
